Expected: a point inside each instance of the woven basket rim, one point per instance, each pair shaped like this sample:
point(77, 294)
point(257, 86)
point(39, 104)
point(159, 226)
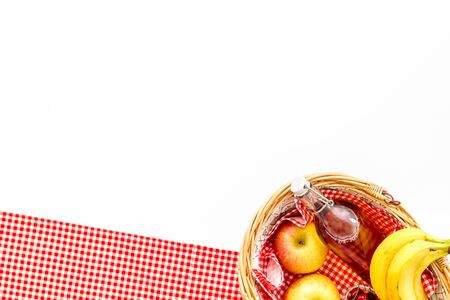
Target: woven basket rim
point(351, 184)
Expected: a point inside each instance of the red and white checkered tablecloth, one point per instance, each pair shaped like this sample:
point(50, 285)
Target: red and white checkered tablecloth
point(51, 260)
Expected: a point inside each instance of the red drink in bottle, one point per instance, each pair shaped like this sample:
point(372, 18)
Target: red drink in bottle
point(342, 225)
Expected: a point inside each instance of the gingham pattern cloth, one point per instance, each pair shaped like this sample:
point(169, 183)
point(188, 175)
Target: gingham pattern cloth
point(334, 267)
point(49, 260)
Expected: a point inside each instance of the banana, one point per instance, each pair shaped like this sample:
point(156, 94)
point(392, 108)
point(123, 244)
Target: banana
point(418, 286)
point(410, 284)
point(407, 255)
point(406, 283)
point(386, 251)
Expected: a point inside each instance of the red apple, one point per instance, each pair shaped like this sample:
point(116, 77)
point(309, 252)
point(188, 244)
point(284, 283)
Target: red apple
point(312, 287)
point(299, 250)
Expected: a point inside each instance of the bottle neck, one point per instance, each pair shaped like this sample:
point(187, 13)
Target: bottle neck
point(314, 201)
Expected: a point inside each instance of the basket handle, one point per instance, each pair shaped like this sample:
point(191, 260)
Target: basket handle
point(352, 183)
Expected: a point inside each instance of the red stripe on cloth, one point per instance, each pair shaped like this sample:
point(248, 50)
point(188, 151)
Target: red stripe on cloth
point(44, 259)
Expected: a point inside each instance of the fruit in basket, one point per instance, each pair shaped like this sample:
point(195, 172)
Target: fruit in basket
point(398, 263)
point(410, 283)
point(411, 254)
point(299, 250)
point(313, 286)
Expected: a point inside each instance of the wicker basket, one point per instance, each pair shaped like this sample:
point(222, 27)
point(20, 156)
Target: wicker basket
point(371, 191)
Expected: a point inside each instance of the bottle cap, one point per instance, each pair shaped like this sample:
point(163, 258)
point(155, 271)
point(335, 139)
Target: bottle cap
point(300, 186)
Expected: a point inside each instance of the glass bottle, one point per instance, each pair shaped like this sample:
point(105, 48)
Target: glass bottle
point(342, 225)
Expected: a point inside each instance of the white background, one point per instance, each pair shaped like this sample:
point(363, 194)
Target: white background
point(178, 119)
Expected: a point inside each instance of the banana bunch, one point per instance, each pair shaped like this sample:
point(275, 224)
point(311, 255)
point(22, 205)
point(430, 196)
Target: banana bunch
point(399, 261)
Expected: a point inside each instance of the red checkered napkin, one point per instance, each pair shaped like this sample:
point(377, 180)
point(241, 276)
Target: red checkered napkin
point(273, 281)
point(49, 260)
